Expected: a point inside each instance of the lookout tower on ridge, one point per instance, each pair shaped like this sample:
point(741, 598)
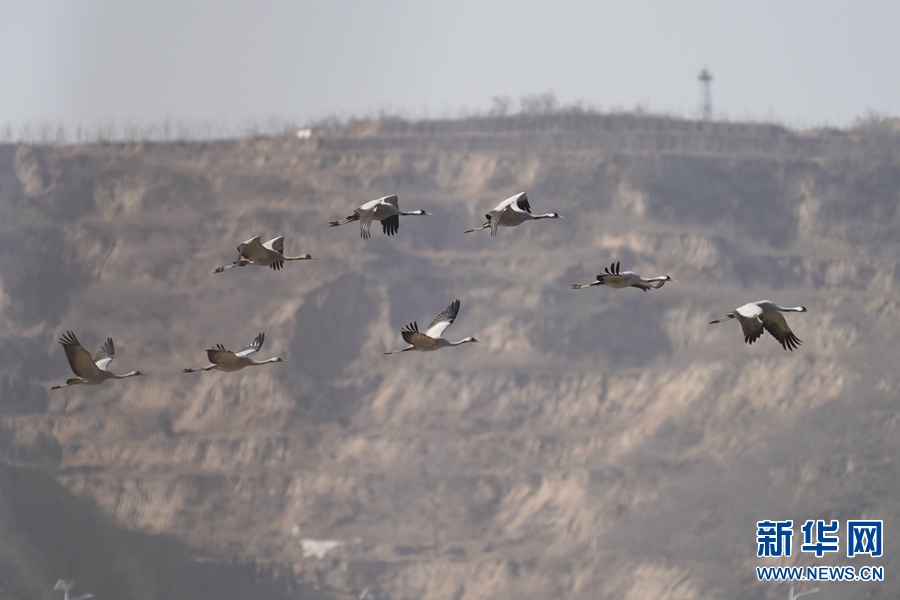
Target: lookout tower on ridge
point(706, 84)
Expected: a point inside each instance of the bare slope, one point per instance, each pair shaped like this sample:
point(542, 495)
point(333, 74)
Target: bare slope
point(596, 443)
point(46, 534)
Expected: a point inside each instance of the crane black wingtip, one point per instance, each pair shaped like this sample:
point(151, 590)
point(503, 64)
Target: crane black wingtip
point(68, 339)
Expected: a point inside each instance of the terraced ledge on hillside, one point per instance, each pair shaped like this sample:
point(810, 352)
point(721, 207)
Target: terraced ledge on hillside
point(585, 132)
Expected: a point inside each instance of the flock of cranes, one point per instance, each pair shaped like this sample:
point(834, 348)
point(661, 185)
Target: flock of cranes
point(512, 212)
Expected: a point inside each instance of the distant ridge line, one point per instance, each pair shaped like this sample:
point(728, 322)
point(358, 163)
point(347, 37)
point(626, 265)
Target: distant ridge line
point(585, 132)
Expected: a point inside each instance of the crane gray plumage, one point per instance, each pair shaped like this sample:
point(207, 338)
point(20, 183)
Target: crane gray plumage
point(89, 370)
point(615, 278)
point(432, 339)
point(764, 314)
point(225, 360)
point(386, 209)
point(512, 212)
point(270, 254)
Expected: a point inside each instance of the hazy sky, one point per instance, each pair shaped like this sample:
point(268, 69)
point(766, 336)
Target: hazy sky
point(800, 62)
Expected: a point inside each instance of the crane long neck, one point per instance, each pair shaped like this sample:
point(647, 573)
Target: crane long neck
point(132, 374)
point(256, 363)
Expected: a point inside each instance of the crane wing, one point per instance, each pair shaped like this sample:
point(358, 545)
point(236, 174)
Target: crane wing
point(775, 324)
point(252, 249)
point(365, 222)
point(254, 346)
point(443, 321)
point(370, 205)
point(749, 310)
point(505, 204)
point(243, 245)
point(391, 225)
point(219, 355)
point(517, 202)
point(276, 244)
point(751, 325)
point(386, 211)
point(106, 354)
point(610, 278)
point(496, 215)
point(80, 360)
point(412, 336)
point(521, 201)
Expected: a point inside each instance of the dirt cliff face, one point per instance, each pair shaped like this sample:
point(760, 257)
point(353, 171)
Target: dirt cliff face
point(596, 443)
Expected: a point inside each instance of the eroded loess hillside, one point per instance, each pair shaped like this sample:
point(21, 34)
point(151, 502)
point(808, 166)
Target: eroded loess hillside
point(596, 443)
